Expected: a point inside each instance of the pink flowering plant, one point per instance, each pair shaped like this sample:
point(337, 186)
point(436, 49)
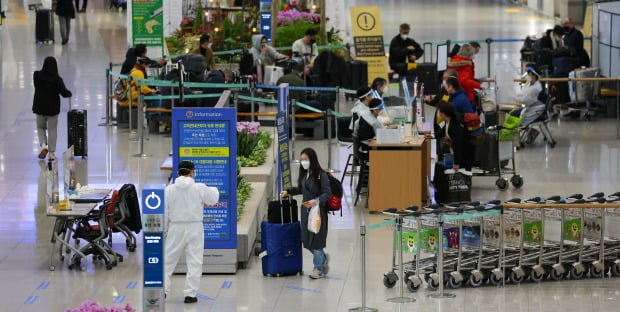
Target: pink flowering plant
point(288, 17)
point(252, 144)
point(92, 306)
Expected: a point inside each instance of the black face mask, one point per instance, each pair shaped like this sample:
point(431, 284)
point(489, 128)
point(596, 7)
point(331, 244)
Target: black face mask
point(566, 29)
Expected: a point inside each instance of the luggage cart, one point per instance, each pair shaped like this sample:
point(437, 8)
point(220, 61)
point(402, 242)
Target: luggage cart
point(493, 153)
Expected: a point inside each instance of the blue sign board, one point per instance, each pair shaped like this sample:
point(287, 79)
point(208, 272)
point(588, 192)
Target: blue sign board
point(284, 163)
point(265, 18)
point(153, 241)
point(208, 138)
point(153, 259)
point(152, 201)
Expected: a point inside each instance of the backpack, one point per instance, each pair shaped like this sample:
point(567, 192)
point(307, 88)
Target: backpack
point(471, 121)
point(334, 202)
point(121, 88)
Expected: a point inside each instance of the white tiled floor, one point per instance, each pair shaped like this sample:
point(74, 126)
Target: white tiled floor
point(586, 159)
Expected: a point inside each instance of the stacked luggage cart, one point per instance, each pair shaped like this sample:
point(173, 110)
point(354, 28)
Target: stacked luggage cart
point(516, 241)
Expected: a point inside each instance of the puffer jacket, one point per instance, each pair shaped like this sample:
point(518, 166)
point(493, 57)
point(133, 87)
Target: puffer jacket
point(464, 67)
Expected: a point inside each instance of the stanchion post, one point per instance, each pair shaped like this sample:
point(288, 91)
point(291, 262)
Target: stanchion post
point(108, 98)
point(141, 125)
point(292, 112)
point(252, 89)
point(363, 308)
point(488, 41)
point(130, 107)
point(328, 116)
point(402, 281)
point(441, 294)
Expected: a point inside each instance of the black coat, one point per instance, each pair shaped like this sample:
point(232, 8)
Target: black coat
point(46, 94)
point(310, 189)
point(399, 51)
point(463, 150)
point(65, 8)
point(574, 40)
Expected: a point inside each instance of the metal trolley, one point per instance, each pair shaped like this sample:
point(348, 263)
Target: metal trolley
point(495, 158)
point(537, 239)
point(444, 239)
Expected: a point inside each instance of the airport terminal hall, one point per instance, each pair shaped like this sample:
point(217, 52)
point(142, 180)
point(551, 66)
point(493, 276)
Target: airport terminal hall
point(309, 155)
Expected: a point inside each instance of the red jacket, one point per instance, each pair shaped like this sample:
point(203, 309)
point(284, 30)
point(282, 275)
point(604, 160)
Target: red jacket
point(465, 68)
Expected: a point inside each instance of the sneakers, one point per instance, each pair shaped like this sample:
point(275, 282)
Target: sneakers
point(326, 265)
point(189, 299)
point(43, 152)
point(52, 156)
point(316, 274)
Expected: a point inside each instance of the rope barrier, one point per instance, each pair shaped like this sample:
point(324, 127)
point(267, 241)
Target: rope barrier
point(118, 75)
point(249, 98)
point(161, 97)
point(337, 114)
point(382, 224)
point(310, 108)
point(202, 96)
point(207, 85)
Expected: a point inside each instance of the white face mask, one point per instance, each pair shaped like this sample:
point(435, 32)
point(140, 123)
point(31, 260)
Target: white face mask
point(209, 45)
point(528, 79)
point(385, 90)
point(305, 164)
point(404, 37)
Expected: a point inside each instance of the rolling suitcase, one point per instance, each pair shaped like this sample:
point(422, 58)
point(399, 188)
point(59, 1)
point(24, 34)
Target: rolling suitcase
point(281, 251)
point(77, 132)
point(44, 25)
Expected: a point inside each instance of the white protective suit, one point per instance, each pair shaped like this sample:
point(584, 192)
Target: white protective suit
point(185, 201)
point(528, 95)
point(358, 108)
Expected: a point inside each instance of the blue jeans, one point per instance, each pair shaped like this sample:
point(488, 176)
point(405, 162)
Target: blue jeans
point(318, 258)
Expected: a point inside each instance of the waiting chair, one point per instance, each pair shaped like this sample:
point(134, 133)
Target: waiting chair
point(537, 115)
point(95, 235)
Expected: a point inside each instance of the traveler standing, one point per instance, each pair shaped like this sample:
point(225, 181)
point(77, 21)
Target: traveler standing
point(46, 105)
point(84, 4)
point(65, 12)
point(184, 202)
point(404, 51)
point(314, 186)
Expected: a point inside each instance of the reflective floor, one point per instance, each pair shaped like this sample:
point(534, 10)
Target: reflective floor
point(585, 160)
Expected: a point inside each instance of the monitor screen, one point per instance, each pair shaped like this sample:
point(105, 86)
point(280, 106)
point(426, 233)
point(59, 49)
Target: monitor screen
point(442, 57)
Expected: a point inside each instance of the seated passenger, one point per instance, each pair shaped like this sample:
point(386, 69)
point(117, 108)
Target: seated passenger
point(204, 49)
point(452, 138)
point(458, 99)
point(367, 124)
point(138, 72)
point(364, 96)
point(132, 55)
point(264, 54)
point(528, 95)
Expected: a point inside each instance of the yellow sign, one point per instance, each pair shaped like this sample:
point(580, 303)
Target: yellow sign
point(368, 39)
point(204, 151)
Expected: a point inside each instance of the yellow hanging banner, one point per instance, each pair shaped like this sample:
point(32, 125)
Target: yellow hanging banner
point(368, 39)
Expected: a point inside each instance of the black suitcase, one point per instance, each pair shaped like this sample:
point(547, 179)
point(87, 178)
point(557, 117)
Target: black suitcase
point(359, 74)
point(44, 25)
point(427, 74)
point(282, 211)
point(77, 132)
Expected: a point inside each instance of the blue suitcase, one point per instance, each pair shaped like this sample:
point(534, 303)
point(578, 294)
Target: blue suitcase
point(281, 250)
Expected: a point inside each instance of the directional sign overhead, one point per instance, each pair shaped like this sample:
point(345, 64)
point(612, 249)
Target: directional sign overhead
point(152, 201)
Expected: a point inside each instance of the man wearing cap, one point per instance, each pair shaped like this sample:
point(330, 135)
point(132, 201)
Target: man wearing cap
point(528, 95)
point(184, 202)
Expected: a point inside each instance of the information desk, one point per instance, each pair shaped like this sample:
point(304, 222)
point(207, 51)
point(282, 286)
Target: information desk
point(398, 174)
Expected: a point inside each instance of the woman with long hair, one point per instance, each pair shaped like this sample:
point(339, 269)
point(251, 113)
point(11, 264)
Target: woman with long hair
point(314, 186)
point(48, 85)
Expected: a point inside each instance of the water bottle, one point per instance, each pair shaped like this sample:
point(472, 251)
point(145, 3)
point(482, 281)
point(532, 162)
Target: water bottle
point(401, 129)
